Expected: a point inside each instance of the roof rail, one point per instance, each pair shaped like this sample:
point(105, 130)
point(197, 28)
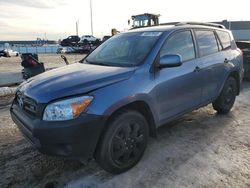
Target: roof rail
point(201, 23)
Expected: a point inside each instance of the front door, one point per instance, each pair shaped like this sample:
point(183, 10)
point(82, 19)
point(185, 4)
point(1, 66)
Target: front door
point(179, 88)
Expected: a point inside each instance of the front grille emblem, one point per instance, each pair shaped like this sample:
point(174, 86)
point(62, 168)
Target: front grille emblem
point(20, 102)
point(20, 99)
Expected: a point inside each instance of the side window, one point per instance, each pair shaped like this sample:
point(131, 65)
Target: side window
point(206, 41)
point(225, 39)
point(180, 43)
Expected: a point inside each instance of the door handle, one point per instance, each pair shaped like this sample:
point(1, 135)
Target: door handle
point(197, 69)
point(226, 61)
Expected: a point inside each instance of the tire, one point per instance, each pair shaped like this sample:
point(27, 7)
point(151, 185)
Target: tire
point(123, 143)
point(224, 103)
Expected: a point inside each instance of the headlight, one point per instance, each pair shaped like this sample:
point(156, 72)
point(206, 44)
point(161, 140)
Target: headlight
point(66, 109)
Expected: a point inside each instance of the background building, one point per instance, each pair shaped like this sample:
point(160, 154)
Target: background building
point(240, 29)
point(38, 42)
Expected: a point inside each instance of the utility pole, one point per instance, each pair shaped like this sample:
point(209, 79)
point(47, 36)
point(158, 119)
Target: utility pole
point(77, 27)
point(91, 17)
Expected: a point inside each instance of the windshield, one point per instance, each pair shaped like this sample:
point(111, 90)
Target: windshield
point(128, 49)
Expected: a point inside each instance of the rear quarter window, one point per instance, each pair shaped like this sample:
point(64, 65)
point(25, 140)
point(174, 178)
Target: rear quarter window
point(224, 38)
point(207, 42)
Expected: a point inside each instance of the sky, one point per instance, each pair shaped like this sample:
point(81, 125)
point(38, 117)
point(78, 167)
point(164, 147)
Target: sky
point(56, 19)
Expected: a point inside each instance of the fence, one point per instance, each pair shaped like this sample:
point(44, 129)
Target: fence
point(49, 49)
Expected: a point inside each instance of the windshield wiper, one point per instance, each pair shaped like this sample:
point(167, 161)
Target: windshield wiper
point(110, 64)
point(98, 63)
point(127, 65)
point(103, 64)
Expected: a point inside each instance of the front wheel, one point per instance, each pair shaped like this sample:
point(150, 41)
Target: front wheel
point(225, 101)
point(124, 142)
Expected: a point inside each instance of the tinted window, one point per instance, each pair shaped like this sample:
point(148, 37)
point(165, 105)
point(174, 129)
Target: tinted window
point(180, 43)
point(224, 38)
point(207, 42)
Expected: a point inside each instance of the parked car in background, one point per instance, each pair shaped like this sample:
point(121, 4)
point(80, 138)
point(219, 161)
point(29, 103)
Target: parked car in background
point(64, 50)
point(105, 38)
point(2, 53)
point(61, 50)
point(89, 43)
point(246, 60)
point(9, 53)
point(70, 41)
point(88, 38)
point(12, 53)
point(107, 105)
point(245, 47)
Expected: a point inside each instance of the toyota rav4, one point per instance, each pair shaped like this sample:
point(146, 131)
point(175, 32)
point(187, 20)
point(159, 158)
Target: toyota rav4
point(107, 105)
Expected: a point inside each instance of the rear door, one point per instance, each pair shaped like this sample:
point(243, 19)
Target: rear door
point(227, 54)
point(211, 62)
point(178, 88)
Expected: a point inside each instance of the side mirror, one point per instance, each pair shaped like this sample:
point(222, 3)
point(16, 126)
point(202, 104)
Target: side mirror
point(172, 60)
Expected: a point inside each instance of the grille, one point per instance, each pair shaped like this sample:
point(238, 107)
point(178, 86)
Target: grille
point(26, 103)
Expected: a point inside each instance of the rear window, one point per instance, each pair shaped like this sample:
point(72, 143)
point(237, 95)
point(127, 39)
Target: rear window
point(206, 41)
point(225, 39)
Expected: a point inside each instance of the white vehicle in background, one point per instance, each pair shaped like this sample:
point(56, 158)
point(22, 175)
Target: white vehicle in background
point(9, 53)
point(64, 50)
point(88, 38)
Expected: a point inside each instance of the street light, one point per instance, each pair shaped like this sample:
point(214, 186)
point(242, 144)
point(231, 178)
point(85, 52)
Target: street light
point(91, 17)
point(77, 27)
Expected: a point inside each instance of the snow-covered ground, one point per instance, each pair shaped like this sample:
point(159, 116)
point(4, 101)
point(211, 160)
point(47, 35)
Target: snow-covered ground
point(202, 149)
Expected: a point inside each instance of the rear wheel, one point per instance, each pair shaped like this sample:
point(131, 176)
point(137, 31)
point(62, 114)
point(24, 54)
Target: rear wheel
point(124, 143)
point(225, 101)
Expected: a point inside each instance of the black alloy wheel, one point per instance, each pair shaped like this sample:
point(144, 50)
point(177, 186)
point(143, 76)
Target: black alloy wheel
point(225, 101)
point(124, 142)
point(127, 143)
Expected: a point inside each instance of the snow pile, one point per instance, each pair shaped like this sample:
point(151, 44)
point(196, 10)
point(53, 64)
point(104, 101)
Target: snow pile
point(6, 91)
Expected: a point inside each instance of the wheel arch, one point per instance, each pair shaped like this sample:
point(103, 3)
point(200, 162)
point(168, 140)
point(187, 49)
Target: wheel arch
point(143, 108)
point(236, 76)
point(140, 106)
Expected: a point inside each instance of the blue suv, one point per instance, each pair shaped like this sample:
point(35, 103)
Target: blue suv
point(107, 105)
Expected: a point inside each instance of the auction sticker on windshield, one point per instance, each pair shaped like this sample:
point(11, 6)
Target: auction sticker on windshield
point(151, 34)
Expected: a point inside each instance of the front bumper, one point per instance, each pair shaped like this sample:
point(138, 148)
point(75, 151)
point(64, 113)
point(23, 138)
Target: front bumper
point(75, 138)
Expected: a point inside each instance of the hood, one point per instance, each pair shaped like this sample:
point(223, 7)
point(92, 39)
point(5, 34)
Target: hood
point(71, 80)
